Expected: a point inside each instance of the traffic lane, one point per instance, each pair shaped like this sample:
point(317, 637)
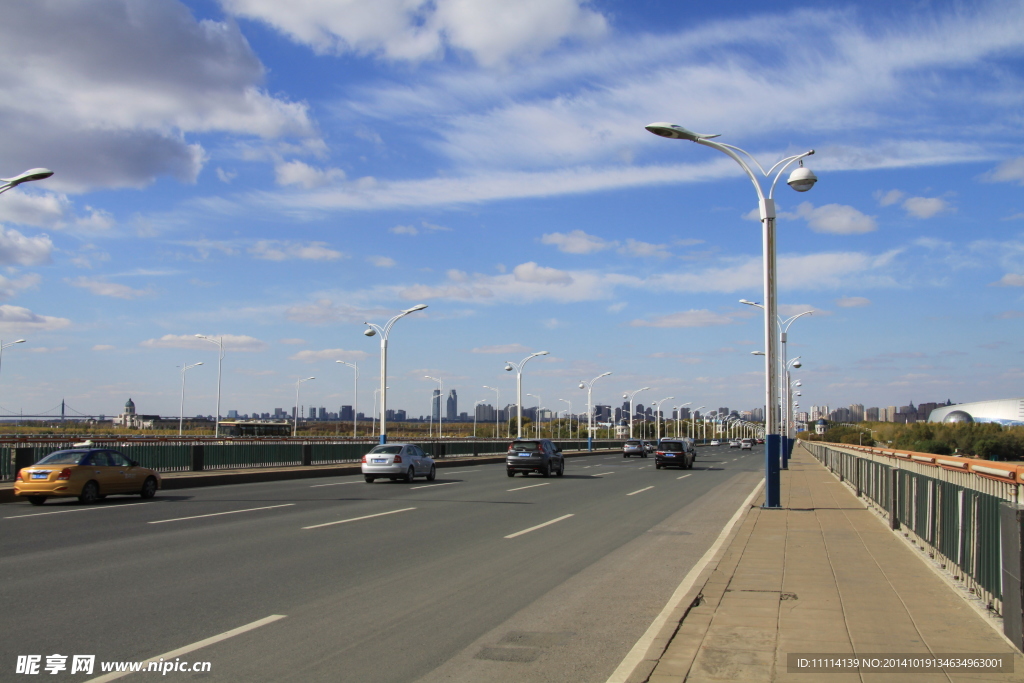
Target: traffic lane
point(402, 623)
point(219, 569)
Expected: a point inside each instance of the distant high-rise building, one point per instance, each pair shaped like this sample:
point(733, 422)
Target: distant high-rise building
point(312, 413)
point(452, 412)
point(723, 411)
point(435, 405)
point(400, 416)
point(871, 414)
point(232, 414)
point(346, 413)
point(322, 413)
point(856, 412)
point(603, 413)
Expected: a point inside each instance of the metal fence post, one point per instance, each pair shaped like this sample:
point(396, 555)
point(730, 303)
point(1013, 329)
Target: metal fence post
point(894, 499)
point(197, 458)
point(307, 454)
point(1011, 527)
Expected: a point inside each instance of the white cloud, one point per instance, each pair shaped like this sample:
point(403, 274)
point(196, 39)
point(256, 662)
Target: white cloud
point(1010, 280)
point(17, 249)
point(291, 341)
point(103, 347)
point(310, 356)
point(106, 91)
point(576, 242)
point(10, 286)
point(101, 287)
point(325, 311)
point(15, 319)
point(692, 318)
point(232, 342)
point(278, 250)
point(531, 272)
point(299, 173)
point(889, 198)
point(226, 176)
point(1010, 171)
point(836, 219)
point(502, 349)
point(925, 207)
point(492, 31)
point(634, 247)
point(618, 307)
point(404, 230)
point(786, 310)
point(852, 302)
point(382, 261)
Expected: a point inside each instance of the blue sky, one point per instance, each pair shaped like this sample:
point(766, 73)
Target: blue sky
point(278, 173)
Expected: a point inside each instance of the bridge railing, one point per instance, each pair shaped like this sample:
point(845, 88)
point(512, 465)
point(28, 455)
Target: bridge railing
point(948, 506)
point(174, 454)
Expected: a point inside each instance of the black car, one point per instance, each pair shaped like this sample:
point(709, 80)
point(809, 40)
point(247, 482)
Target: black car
point(534, 455)
point(675, 453)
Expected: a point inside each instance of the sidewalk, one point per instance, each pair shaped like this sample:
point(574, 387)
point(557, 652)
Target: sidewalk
point(823, 575)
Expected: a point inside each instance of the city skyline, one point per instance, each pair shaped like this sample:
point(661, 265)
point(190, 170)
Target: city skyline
point(278, 176)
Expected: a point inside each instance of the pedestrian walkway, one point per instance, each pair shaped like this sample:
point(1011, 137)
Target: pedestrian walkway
point(823, 575)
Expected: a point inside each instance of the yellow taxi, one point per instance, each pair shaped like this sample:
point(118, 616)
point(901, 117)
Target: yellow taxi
point(89, 473)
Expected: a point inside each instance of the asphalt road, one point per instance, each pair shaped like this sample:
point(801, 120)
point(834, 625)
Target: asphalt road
point(472, 577)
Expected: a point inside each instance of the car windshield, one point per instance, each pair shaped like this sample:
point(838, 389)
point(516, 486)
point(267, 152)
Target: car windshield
point(672, 447)
point(526, 446)
point(387, 450)
point(63, 458)
point(632, 443)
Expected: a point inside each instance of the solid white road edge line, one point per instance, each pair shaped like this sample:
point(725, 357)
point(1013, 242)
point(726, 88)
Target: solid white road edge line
point(217, 514)
point(356, 519)
point(602, 474)
point(193, 647)
point(340, 483)
point(636, 655)
point(427, 486)
point(640, 491)
point(530, 486)
point(684, 476)
point(92, 509)
point(539, 526)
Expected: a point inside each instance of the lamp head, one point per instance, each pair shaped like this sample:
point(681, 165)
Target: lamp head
point(757, 353)
point(798, 383)
point(508, 367)
point(802, 179)
point(417, 307)
point(28, 176)
point(369, 332)
point(18, 341)
point(671, 130)
point(581, 385)
point(798, 364)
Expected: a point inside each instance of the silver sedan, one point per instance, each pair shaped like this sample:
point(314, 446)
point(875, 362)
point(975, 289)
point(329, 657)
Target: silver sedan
point(398, 461)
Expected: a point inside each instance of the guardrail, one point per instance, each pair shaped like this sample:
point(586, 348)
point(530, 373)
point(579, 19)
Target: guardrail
point(183, 454)
point(948, 505)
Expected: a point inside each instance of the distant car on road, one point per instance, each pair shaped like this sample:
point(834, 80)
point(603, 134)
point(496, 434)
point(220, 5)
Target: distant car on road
point(759, 440)
point(675, 453)
point(534, 455)
point(746, 444)
point(634, 447)
point(715, 442)
point(89, 473)
point(397, 461)
point(734, 443)
point(649, 448)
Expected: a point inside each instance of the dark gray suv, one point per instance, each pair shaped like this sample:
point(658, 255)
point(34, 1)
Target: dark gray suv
point(534, 455)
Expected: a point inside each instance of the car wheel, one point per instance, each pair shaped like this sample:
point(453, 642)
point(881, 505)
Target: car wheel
point(148, 488)
point(37, 500)
point(90, 493)
point(657, 466)
point(526, 474)
point(510, 473)
point(545, 471)
point(625, 455)
point(368, 478)
point(410, 474)
point(561, 469)
point(431, 474)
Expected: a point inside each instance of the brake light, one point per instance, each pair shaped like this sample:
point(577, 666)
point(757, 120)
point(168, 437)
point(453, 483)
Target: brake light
point(398, 459)
point(364, 459)
point(18, 477)
point(65, 474)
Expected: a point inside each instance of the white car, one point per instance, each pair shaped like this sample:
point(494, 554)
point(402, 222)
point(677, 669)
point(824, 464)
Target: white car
point(715, 442)
point(398, 461)
point(735, 443)
point(746, 444)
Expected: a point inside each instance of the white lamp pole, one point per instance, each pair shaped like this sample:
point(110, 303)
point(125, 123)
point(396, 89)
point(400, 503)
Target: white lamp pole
point(657, 417)
point(632, 410)
point(565, 400)
point(497, 401)
point(383, 330)
point(693, 424)
point(801, 180)
point(355, 395)
point(440, 411)
point(518, 367)
point(537, 414)
point(590, 408)
point(181, 409)
point(219, 341)
point(26, 177)
point(295, 411)
point(679, 415)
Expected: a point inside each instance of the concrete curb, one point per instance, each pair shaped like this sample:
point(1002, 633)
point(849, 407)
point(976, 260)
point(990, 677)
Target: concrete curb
point(188, 480)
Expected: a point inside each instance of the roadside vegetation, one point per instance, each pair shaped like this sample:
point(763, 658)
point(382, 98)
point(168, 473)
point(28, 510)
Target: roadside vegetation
point(984, 440)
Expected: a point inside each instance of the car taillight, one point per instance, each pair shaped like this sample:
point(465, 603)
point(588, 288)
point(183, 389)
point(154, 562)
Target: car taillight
point(18, 477)
point(660, 453)
point(398, 459)
point(364, 459)
point(64, 474)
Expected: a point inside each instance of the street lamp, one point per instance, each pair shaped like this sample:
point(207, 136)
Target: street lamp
point(440, 413)
point(497, 401)
point(26, 177)
point(537, 414)
point(219, 341)
point(295, 411)
point(181, 409)
point(657, 417)
point(518, 367)
point(383, 330)
point(801, 180)
point(693, 426)
point(631, 409)
point(355, 395)
point(679, 415)
point(565, 400)
point(590, 408)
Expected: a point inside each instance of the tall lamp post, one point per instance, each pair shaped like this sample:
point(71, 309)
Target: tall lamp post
point(679, 415)
point(4, 346)
point(295, 411)
point(590, 408)
point(632, 410)
point(801, 180)
point(497, 401)
point(26, 177)
point(693, 425)
point(181, 409)
point(537, 414)
point(355, 395)
point(657, 417)
point(383, 330)
point(219, 341)
point(440, 412)
point(518, 367)
point(565, 400)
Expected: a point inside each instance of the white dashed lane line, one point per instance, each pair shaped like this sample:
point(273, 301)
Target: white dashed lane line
point(528, 487)
point(356, 519)
point(92, 509)
point(684, 476)
point(602, 474)
point(427, 486)
point(539, 526)
point(340, 483)
point(640, 491)
point(218, 514)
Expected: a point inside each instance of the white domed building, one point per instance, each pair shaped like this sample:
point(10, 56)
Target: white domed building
point(1008, 412)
